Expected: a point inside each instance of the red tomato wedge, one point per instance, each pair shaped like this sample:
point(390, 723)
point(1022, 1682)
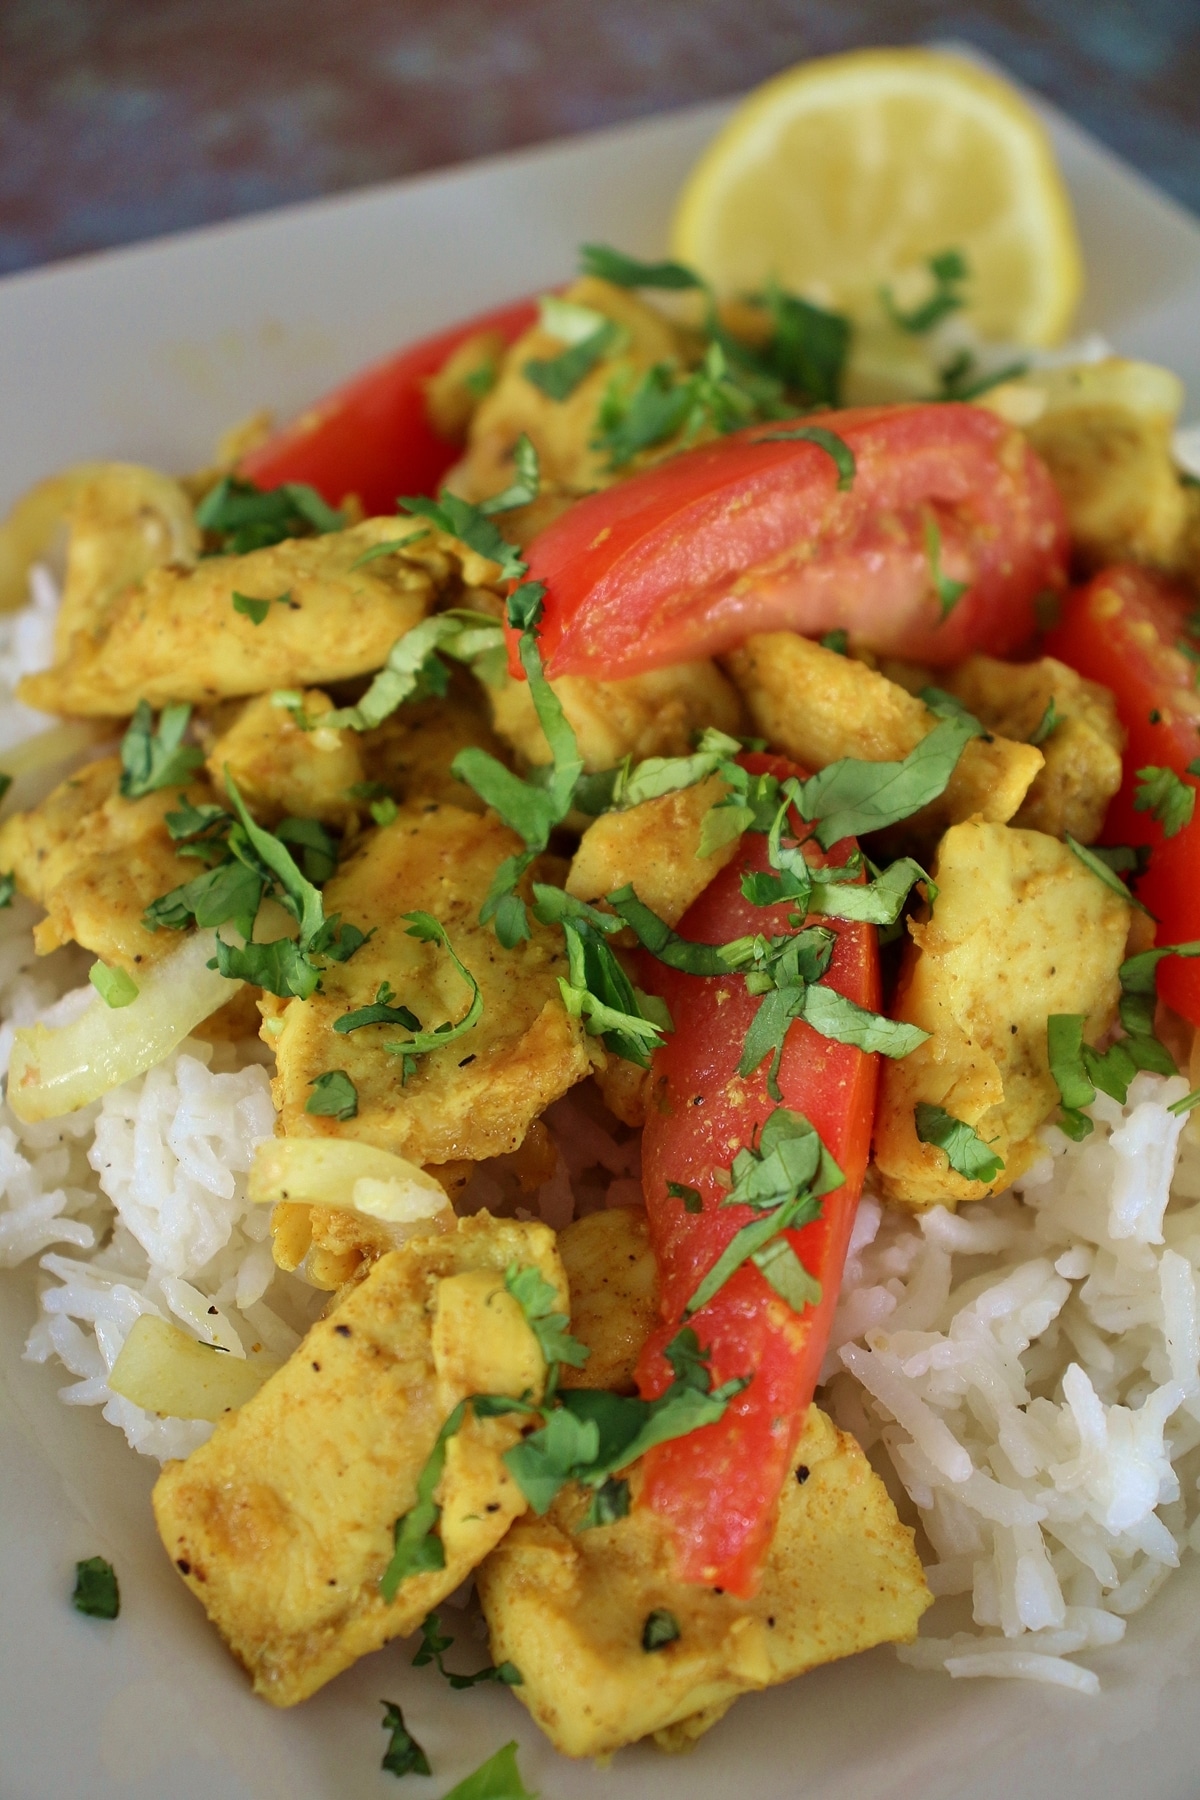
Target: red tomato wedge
point(373, 437)
point(1124, 629)
point(720, 1485)
point(752, 533)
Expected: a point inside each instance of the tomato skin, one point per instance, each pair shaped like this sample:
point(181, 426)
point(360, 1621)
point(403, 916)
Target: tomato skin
point(748, 534)
point(1122, 629)
point(719, 1486)
point(372, 436)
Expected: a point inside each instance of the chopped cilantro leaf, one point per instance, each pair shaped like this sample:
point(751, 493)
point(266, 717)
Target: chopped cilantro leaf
point(962, 378)
point(153, 758)
point(497, 1779)
point(379, 1012)
point(318, 850)
point(246, 517)
point(96, 1591)
point(948, 592)
point(834, 447)
point(693, 1201)
point(558, 376)
point(1097, 866)
point(8, 888)
point(609, 1502)
point(851, 797)
point(428, 930)
point(335, 1095)
point(414, 667)
point(1047, 724)
point(539, 1303)
point(403, 1756)
point(835, 1017)
point(433, 1647)
point(596, 988)
point(661, 1628)
point(965, 1150)
point(949, 271)
point(627, 271)
point(257, 610)
point(1166, 797)
point(838, 641)
point(385, 811)
point(808, 350)
point(115, 986)
point(417, 1547)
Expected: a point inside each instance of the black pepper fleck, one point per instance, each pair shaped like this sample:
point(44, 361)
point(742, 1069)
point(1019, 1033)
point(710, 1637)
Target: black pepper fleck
point(801, 1474)
point(184, 1567)
point(342, 1330)
point(317, 1367)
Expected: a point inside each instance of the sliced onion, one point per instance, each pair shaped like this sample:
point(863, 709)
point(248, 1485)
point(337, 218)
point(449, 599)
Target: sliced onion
point(39, 763)
point(354, 1177)
point(165, 1371)
point(53, 1072)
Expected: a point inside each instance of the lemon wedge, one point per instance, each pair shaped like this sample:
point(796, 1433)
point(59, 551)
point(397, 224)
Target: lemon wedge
point(843, 177)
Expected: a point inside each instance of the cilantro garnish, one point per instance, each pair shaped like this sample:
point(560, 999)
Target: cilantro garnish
point(433, 1647)
point(965, 1150)
point(471, 524)
point(385, 811)
point(782, 1180)
point(497, 1779)
point(1047, 724)
point(962, 379)
point(596, 987)
point(808, 349)
point(414, 668)
point(246, 517)
point(693, 1201)
point(380, 1011)
point(851, 797)
point(115, 986)
point(257, 610)
point(609, 1502)
point(428, 930)
point(403, 1756)
point(558, 376)
point(334, 1096)
point(838, 641)
point(661, 1628)
point(539, 1302)
point(96, 1591)
point(417, 1547)
point(664, 402)
point(157, 757)
point(1098, 866)
point(948, 592)
point(836, 448)
point(1166, 797)
point(8, 888)
point(949, 271)
point(626, 271)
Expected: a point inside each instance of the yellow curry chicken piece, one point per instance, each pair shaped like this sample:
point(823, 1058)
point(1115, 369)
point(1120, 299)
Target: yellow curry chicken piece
point(656, 847)
point(282, 1524)
point(818, 706)
point(1020, 930)
point(477, 1095)
point(1082, 746)
point(282, 770)
point(613, 1278)
point(411, 752)
point(176, 636)
point(572, 1608)
point(656, 714)
point(95, 861)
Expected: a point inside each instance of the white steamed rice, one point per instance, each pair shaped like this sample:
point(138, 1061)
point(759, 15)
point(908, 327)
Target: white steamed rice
point(1025, 1373)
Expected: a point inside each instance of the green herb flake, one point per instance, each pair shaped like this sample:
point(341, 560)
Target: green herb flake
point(948, 592)
point(965, 1150)
point(693, 1201)
point(949, 270)
point(1166, 797)
point(558, 376)
point(538, 1301)
point(628, 272)
point(96, 1591)
point(6, 782)
point(1049, 723)
point(245, 517)
point(427, 930)
point(838, 641)
point(8, 888)
point(497, 1779)
point(115, 987)
point(660, 1629)
point(403, 1756)
point(1096, 865)
point(380, 1011)
point(433, 1646)
point(385, 811)
point(1186, 1105)
point(851, 797)
point(609, 1502)
point(257, 610)
point(154, 757)
point(414, 669)
point(417, 1548)
point(836, 448)
point(335, 1096)
point(808, 348)
point(962, 378)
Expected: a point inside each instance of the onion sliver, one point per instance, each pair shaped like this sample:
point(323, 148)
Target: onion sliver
point(355, 1177)
point(53, 1072)
point(165, 1371)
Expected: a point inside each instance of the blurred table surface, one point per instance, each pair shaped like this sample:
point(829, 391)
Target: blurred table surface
point(124, 119)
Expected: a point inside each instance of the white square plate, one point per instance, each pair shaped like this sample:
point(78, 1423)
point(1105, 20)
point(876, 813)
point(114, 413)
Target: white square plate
point(146, 354)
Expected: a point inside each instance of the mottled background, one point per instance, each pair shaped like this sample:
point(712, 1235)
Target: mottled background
point(123, 119)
